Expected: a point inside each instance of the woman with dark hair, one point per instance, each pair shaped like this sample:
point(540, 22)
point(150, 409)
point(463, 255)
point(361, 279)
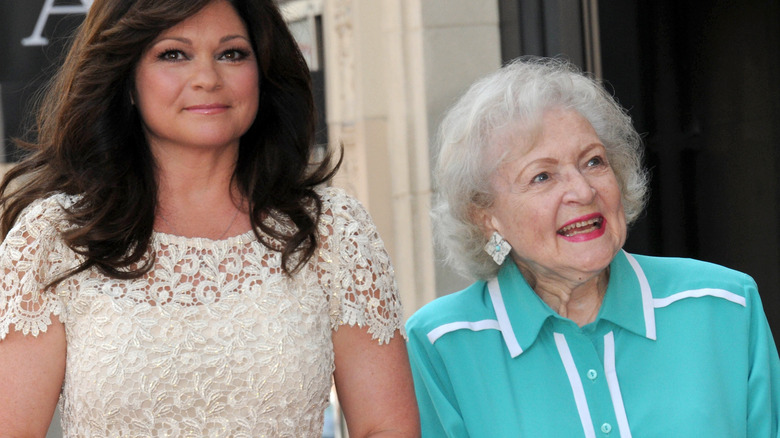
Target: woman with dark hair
point(172, 264)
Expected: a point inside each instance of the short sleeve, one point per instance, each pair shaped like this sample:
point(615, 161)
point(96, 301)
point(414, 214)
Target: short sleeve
point(30, 258)
point(439, 411)
point(354, 260)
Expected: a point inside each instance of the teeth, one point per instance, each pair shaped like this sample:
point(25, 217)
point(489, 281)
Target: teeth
point(577, 227)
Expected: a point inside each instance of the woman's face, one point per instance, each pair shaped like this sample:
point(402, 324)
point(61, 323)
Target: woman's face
point(557, 199)
point(196, 85)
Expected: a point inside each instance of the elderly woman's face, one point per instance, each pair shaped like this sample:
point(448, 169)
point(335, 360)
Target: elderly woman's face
point(557, 199)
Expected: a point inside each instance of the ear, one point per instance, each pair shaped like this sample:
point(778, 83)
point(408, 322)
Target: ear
point(131, 90)
point(484, 219)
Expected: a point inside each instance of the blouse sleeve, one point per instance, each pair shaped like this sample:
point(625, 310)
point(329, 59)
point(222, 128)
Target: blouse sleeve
point(30, 257)
point(763, 413)
point(362, 281)
point(439, 411)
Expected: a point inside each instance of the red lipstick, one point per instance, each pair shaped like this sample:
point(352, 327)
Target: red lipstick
point(584, 228)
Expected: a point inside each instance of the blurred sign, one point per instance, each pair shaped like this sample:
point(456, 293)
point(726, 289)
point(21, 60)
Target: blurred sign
point(49, 8)
point(33, 34)
point(301, 17)
point(305, 33)
point(33, 37)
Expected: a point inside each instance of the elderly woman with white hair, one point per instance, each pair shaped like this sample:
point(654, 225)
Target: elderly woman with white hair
point(565, 334)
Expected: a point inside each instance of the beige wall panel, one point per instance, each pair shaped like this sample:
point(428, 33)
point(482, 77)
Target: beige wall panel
point(458, 13)
point(380, 195)
point(456, 52)
point(455, 57)
point(392, 68)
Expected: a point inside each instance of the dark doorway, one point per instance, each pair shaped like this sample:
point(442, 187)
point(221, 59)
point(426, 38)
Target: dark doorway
point(698, 78)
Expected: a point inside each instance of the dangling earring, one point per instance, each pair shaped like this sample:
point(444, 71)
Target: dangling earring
point(497, 248)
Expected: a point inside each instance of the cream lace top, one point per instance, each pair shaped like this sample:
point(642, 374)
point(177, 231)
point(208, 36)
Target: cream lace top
point(215, 340)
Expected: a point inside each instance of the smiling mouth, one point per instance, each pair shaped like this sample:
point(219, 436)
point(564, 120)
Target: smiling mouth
point(582, 227)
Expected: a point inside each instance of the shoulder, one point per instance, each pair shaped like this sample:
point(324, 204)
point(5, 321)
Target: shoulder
point(347, 233)
point(337, 202)
point(471, 304)
point(37, 232)
point(685, 273)
point(43, 216)
point(343, 217)
point(672, 278)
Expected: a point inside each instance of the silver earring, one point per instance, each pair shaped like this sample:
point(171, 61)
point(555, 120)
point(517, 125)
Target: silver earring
point(497, 248)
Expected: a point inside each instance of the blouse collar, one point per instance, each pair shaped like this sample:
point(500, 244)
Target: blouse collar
point(521, 313)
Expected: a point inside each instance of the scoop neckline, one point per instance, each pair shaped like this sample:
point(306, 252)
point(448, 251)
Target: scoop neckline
point(163, 237)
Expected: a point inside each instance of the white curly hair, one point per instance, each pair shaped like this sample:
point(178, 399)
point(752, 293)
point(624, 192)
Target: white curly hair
point(518, 94)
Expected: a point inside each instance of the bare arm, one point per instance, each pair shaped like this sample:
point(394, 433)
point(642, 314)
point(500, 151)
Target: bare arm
point(31, 373)
point(374, 385)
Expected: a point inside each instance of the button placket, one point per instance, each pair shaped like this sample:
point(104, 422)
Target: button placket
point(587, 357)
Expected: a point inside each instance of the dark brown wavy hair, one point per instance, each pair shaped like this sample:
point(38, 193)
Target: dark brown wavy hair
point(89, 140)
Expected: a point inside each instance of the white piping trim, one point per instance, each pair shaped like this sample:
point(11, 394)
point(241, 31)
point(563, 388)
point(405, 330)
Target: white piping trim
point(614, 386)
point(576, 385)
point(475, 326)
point(503, 318)
point(647, 297)
point(698, 293)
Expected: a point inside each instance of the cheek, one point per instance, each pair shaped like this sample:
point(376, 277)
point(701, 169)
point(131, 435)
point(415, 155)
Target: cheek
point(246, 85)
point(523, 219)
point(615, 206)
point(616, 198)
point(141, 95)
point(154, 90)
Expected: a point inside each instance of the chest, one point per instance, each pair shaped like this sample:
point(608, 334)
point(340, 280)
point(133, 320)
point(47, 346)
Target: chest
point(222, 343)
point(567, 385)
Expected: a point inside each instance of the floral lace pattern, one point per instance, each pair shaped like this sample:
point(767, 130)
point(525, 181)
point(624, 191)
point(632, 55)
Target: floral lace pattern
point(215, 340)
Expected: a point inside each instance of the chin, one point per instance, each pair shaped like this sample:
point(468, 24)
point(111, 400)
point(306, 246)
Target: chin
point(599, 260)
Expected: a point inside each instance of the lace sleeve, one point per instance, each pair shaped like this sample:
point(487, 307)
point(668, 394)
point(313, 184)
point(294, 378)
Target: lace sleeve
point(29, 259)
point(363, 288)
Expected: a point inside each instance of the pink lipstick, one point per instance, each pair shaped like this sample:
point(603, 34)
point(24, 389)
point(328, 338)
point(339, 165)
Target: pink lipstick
point(207, 109)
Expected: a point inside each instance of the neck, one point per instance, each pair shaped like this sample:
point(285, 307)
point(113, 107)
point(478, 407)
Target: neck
point(188, 172)
point(196, 195)
point(579, 302)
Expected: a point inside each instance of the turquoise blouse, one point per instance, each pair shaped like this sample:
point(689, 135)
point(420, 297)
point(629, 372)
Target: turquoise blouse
point(680, 348)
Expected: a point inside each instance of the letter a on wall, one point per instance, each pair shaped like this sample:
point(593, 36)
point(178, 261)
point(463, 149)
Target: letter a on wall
point(49, 9)
point(33, 37)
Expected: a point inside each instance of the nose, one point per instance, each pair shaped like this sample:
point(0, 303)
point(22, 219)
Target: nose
point(206, 75)
point(578, 188)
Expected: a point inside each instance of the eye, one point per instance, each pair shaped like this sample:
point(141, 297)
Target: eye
point(542, 177)
point(172, 55)
point(234, 55)
point(595, 162)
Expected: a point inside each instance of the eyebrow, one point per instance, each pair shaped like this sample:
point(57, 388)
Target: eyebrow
point(596, 145)
point(550, 160)
point(188, 41)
